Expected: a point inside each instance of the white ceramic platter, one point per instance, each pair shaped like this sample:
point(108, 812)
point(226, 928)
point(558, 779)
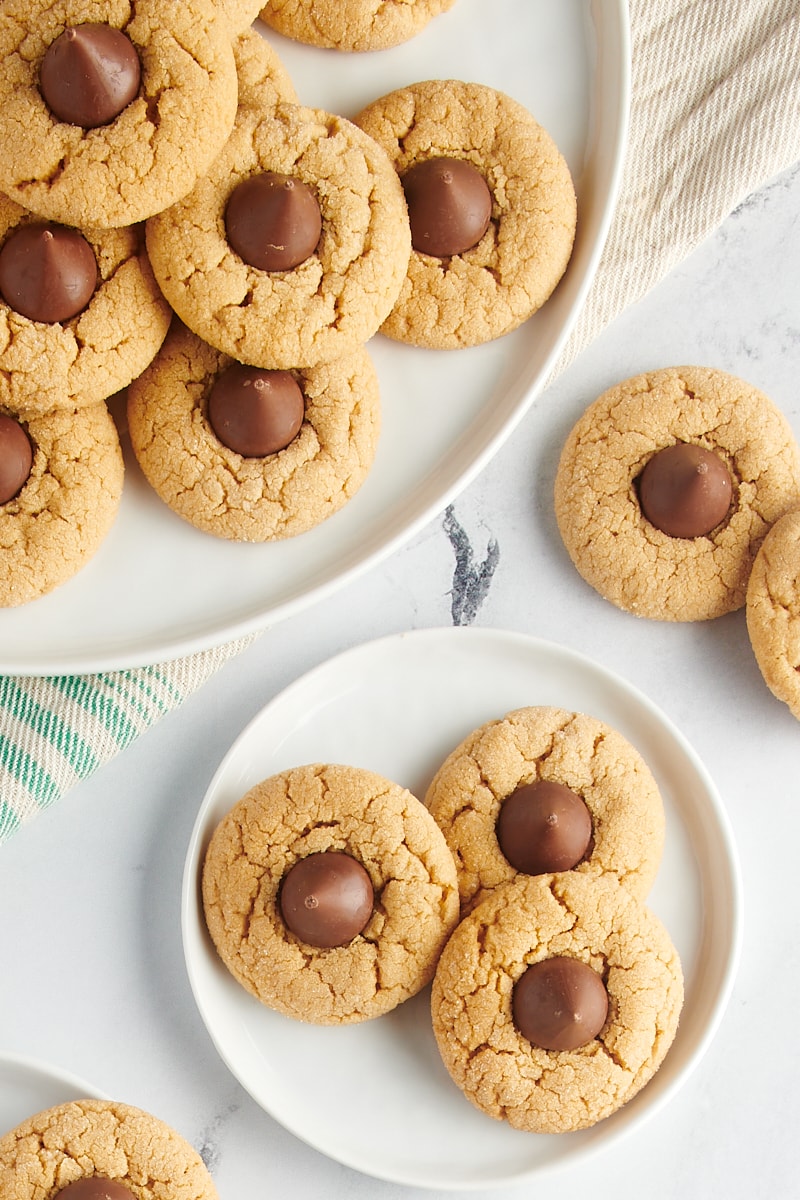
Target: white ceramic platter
point(158, 588)
point(380, 1099)
point(28, 1086)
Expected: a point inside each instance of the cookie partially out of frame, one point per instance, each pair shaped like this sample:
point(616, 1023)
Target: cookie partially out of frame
point(612, 544)
point(773, 610)
point(333, 301)
point(319, 808)
point(602, 925)
point(92, 355)
point(492, 288)
point(154, 150)
point(57, 522)
point(599, 765)
point(351, 24)
point(106, 1139)
point(248, 499)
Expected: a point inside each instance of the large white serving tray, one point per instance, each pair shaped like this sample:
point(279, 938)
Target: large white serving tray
point(158, 588)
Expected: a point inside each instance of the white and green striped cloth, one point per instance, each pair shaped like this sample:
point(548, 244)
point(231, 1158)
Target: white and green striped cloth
point(715, 113)
point(56, 731)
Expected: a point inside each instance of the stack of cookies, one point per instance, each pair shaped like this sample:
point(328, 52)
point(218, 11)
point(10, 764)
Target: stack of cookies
point(178, 227)
point(518, 887)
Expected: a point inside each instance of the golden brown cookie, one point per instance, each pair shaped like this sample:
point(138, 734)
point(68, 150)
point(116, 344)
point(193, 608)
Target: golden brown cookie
point(147, 157)
point(87, 358)
point(52, 527)
point(105, 1139)
point(621, 553)
point(315, 810)
point(773, 610)
point(478, 1001)
point(612, 791)
point(351, 24)
point(263, 79)
point(239, 14)
point(490, 289)
point(259, 498)
point(335, 299)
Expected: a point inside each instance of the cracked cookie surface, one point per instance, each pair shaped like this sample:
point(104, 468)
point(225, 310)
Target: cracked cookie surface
point(317, 808)
point(263, 80)
point(597, 763)
point(152, 153)
point(773, 610)
point(221, 492)
point(601, 924)
point(489, 290)
point(239, 14)
point(88, 358)
point(83, 1138)
point(615, 548)
point(56, 523)
point(332, 302)
point(351, 24)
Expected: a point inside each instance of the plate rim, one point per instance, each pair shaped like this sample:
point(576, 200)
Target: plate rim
point(191, 910)
point(611, 23)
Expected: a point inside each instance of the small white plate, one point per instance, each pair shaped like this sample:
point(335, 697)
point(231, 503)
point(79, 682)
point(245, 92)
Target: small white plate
point(376, 1096)
point(28, 1086)
point(157, 587)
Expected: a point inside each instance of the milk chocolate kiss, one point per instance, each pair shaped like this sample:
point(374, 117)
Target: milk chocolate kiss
point(326, 899)
point(560, 1004)
point(685, 490)
point(89, 74)
point(449, 206)
point(273, 221)
point(255, 412)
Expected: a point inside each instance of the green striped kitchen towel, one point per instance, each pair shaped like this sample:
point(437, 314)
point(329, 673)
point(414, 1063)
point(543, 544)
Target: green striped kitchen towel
point(56, 731)
point(715, 113)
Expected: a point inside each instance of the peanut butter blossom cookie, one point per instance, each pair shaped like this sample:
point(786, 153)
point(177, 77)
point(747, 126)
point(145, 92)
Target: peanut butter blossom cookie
point(329, 893)
point(249, 454)
point(491, 205)
point(100, 1150)
point(292, 249)
point(61, 477)
point(543, 790)
point(80, 312)
point(556, 1000)
point(666, 488)
point(773, 610)
point(351, 24)
point(110, 111)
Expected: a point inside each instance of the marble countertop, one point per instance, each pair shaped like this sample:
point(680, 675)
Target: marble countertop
point(98, 987)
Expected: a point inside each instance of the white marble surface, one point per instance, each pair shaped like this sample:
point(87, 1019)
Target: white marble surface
point(93, 978)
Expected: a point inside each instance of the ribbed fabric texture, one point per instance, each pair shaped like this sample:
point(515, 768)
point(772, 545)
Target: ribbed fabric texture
point(715, 113)
point(55, 731)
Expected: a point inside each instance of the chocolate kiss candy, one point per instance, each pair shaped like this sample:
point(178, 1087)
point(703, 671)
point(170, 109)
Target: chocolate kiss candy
point(543, 827)
point(685, 491)
point(560, 1004)
point(89, 74)
point(449, 206)
point(326, 899)
point(16, 458)
point(94, 1187)
point(47, 273)
point(273, 221)
point(255, 412)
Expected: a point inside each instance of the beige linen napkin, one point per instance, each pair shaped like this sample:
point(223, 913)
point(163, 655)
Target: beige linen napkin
point(715, 113)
